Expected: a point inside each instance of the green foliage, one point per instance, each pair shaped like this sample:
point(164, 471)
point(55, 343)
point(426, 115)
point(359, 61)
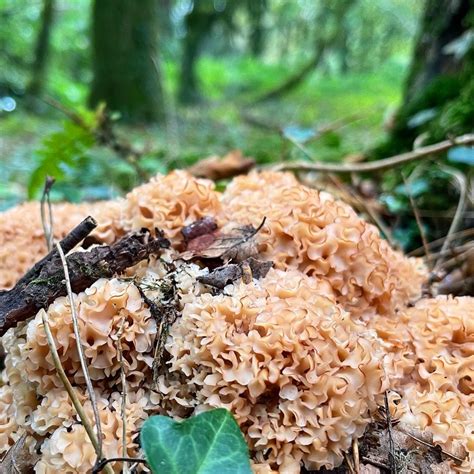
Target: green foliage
point(208, 443)
point(61, 150)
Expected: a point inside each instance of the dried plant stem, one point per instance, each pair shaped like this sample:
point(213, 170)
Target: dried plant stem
point(392, 460)
point(349, 463)
point(417, 216)
point(47, 222)
point(419, 153)
point(438, 242)
point(104, 463)
point(80, 351)
point(69, 388)
point(355, 455)
point(432, 446)
point(124, 396)
point(452, 252)
point(461, 181)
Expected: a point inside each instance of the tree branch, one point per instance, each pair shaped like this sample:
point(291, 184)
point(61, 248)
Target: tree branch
point(419, 153)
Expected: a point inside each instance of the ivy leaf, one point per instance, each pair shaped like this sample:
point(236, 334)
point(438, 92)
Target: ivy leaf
point(204, 444)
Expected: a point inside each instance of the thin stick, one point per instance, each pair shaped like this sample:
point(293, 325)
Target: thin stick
point(80, 351)
point(432, 446)
point(419, 153)
point(436, 243)
point(349, 463)
point(68, 387)
point(355, 455)
point(124, 396)
point(461, 179)
point(452, 252)
point(375, 463)
point(103, 464)
point(392, 462)
point(45, 200)
point(417, 216)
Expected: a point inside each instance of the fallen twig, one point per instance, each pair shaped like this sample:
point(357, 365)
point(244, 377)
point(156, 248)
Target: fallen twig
point(44, 283)
point(436, 243)
point(375, 463)
point(104, 462)
point(80, 351)
point(435, 447)
point(419, 153)
point(392, 460)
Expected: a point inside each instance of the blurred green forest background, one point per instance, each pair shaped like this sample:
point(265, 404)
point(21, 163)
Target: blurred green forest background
point(103, 94)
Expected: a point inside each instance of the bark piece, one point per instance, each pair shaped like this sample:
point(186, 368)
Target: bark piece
point(45, 282)
point(206, 225)
point(222, 276)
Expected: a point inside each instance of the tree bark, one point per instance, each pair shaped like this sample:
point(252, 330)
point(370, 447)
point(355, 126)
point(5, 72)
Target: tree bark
point(45, 281)
point(42, 49)
point(256, 12)
point(199, 23)
point(443, 22)
point(125, 44)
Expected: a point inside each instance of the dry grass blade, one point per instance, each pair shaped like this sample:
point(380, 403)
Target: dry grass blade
point(392, 459)
point(47, 222)
point(432, 446)
point(80, 351)
point(124, 396)
point(69, 388)
point(438, 242)
point(417, 216)
point(462, 185)
point(355, 455)
point(349, 463)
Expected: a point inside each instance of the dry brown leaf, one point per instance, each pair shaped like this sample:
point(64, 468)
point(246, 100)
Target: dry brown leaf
point(236, 246)
point(215, 167)
point(19, 458)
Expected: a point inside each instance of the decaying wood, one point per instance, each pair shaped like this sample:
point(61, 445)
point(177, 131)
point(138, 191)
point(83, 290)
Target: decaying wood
point(45, 281)
point(220, 277)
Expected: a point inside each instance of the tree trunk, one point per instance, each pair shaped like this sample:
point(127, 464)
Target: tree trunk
point(42, 49)
point(324, 41)
point(443, 22)
point(439, 90)
point(199, 23)
point(125, 46)
point(256, 11)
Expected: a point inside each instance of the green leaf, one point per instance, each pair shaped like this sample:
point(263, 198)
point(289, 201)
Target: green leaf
point(207, 443)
